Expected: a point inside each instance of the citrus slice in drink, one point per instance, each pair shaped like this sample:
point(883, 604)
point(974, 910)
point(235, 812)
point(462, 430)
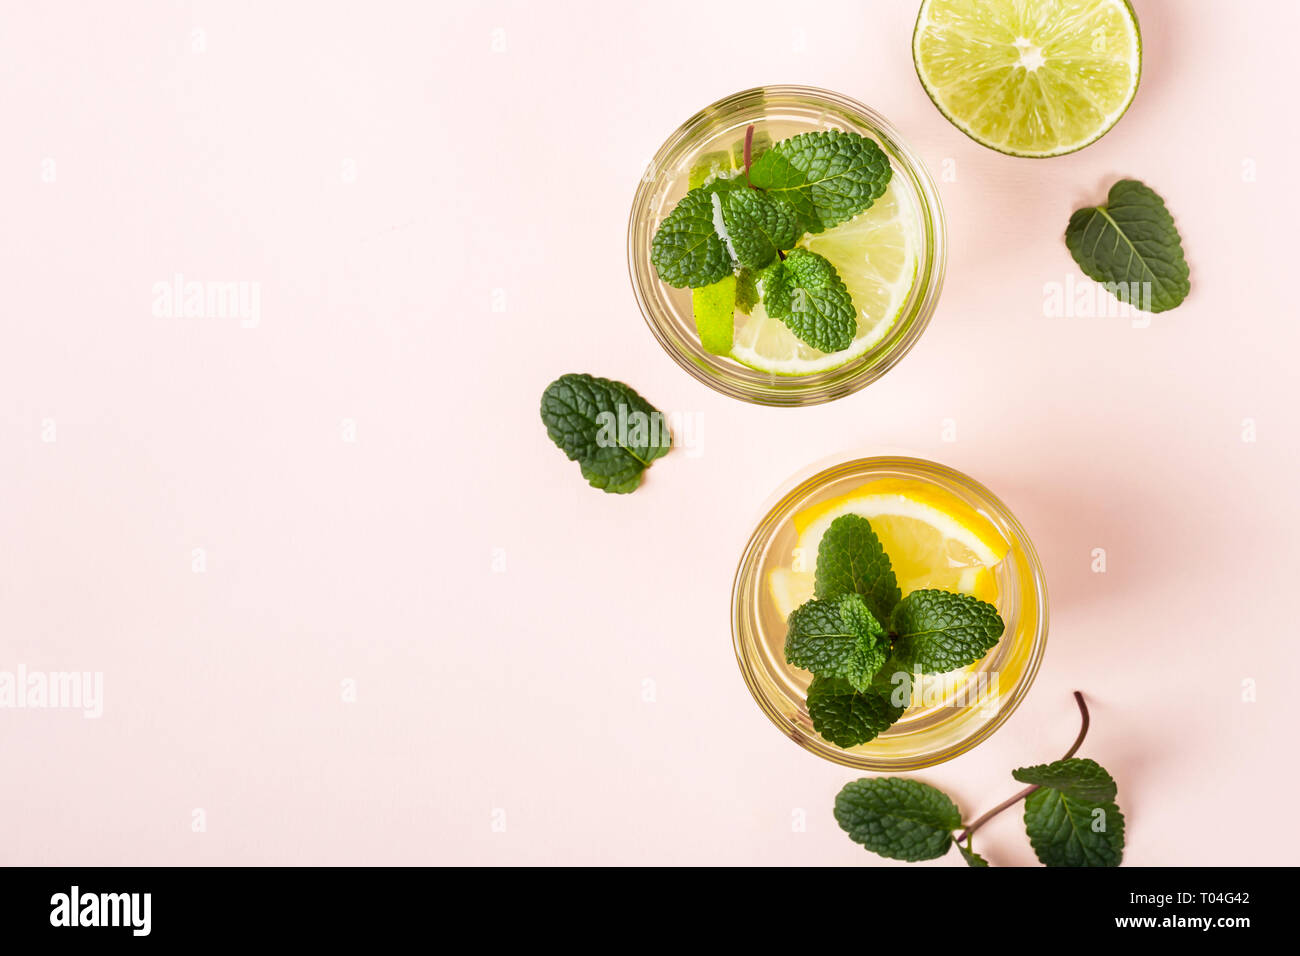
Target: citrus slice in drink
point(789, 589)
point(713, 305)
point(933, 541)
point(710, 166)
point(1029, 77)
point(875, 254)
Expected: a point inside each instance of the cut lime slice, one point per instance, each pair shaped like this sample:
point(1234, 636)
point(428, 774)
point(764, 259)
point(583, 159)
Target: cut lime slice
point(714, 306)
point(875, 254)
point(1029, 77)
point(710, 166)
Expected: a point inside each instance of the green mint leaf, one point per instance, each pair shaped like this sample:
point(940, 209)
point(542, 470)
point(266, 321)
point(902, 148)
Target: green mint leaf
point(971, 857)
point(1065, 826)
point(687, 250)
point(839, 638)
point(1078, 778)
point(806, 293)
point(612, 432)
point(714, 307)
point(897, 818)
point(747, 290)
point(1132, 247)
point(938, 631)
point(850, 560)
point(848, 717)
point(827, 177)
point(758, 226)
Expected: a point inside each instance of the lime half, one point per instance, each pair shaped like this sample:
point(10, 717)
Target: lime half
point(1029, 77)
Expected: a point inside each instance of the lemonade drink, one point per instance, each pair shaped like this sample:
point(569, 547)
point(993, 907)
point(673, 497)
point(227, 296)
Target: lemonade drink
point(890, 256)
point(941, 530)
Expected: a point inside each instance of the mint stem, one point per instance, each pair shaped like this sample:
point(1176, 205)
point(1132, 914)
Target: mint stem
point(1012, 801)
point(1083, 731)
point(749, 155)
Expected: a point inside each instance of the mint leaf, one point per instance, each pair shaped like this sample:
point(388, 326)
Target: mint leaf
point(938, 631)
point(1077, 778)
point(806, 293)
point(758, 226)
point(970, 856)
point(896, 818)
point(847, 717)
point(612, 432)
point(827, 177)
point(851, 560)
point(747, 290)
point(1132, 247)
point(686, 249)
point(839, 638)
point(1065, 826)
point(1070, 811)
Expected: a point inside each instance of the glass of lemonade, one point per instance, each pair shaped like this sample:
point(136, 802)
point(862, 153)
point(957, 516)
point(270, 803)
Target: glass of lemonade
point(941, 529)
point(891, 257)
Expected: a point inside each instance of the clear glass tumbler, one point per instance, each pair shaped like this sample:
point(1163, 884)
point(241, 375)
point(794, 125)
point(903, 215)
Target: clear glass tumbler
point(949, 714)
point(783, 111)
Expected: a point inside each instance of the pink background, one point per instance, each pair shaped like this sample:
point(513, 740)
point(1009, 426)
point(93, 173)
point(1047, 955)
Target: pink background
point(436, 213)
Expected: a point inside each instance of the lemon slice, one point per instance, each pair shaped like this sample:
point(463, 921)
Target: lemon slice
point(933, 541)
point(875, 254)
point(789, 589)
point(1029, 77)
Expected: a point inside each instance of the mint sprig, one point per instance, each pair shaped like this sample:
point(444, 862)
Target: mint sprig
point(839, 638)
point(827, 177)
point(863, 643)
point(607, 428)
point(806, 293)
point(752, 221)
point(1071, 817)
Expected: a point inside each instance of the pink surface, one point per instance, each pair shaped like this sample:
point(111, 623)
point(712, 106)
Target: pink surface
point(433, 204)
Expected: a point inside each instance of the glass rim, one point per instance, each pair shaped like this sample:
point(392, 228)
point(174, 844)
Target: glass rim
point(737, 381)
point(747, 573)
